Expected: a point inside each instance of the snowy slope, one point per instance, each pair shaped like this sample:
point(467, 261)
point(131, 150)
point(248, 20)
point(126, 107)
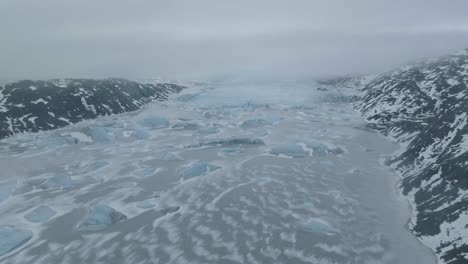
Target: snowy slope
point(425, 107)
point(31, 106)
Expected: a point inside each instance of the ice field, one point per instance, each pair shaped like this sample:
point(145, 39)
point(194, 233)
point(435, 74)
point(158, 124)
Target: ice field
point(221, 173)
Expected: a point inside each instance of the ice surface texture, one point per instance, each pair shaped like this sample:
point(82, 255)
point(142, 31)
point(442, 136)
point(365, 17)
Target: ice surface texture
point(12, 237)
point(40, 214)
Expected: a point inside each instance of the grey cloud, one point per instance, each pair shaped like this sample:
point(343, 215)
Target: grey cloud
point(188, 39)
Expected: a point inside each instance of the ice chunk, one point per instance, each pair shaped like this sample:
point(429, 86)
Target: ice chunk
point(197, 168)
point(319, 227)
point(99, 134)
point(208, 130)
point(169, 156)
point(255, 123)
point(318, 149)
point(12, 237)
point(231, 142)
point(169, 210)
point(292, 150)
point(40, 214)
point(186, 97)
point(51, 141)
point(100, 217)
point(144, 172)
point(259, 132)
point(58, 182)
point(154, 122)
point(6, 189)
point(186, 126)
point(145, 204)
point(231, 150)
point(94, 166)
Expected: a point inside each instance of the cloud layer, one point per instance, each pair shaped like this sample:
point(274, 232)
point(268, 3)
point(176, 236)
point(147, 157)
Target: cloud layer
point(189, 39)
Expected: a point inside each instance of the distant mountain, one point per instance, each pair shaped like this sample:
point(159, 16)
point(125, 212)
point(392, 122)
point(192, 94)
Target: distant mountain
point(31, 106)
point(425, 106)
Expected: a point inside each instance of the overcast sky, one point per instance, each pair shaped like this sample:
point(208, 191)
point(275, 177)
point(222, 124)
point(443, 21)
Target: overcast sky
point(193, 38)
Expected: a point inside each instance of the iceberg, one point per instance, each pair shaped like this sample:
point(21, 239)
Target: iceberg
point(58, 182)
point(40, 214)
point(186, 126)
point(169, 156)
point(99, 134)
point(255, 123)
point(100, 217)
point(319, 227)
point(208, 130)
point(154, 122)
point(169, 210)
point(196, 169)
point(12, 237)
point(230, 142)
point(293, 150)
point(94, 166)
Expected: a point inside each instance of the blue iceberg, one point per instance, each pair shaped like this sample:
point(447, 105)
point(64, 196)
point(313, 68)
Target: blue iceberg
point(100, 217)
point(58, 182)
point(319, 227)
point(255, 123)
point(40, 214)
point(12, 237)
point(292, 150)
point(154, 122)
point(196, 169)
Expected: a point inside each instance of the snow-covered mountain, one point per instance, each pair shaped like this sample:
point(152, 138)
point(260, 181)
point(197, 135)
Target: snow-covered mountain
point(425, 107)
point(31, 106)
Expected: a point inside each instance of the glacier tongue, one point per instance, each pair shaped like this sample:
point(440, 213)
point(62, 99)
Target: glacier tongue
point(228, 173)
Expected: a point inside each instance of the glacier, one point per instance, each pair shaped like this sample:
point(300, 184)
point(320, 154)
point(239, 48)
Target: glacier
point(233, 172)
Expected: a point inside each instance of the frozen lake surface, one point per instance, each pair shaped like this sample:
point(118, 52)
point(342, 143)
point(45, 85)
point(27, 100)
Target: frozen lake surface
point(231, 173)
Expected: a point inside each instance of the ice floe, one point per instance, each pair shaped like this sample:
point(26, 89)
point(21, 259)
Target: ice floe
point(319, 227)
point(196, 168)
point(58, 182)
point(100, 217)
point(154, 122)
point(12, 237)
point(290, 150)
point(40, 214)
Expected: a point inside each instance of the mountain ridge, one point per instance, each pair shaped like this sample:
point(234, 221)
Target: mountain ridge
point(423, 106)
point(32, 106)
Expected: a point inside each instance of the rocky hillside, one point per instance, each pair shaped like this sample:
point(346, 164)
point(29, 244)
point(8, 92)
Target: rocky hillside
point(31, 106)
point(425, 106)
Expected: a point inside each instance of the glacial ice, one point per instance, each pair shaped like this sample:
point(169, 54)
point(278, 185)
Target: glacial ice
point(90, 167)
point(12, 237)
point(186, 126)
point(255, 123)
point(99, 134)
point(40, 214)
point(197, 168)
point(145, 204)
point(100, 217)
point(169, 156)
point(231, 150)
point(58, 182)
point(208, 130)
point(169, 210)
point(154, 122)
point(231, 142)
point(6, 189)
point(291, 150)
point(319, 227)
point(51, 141)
